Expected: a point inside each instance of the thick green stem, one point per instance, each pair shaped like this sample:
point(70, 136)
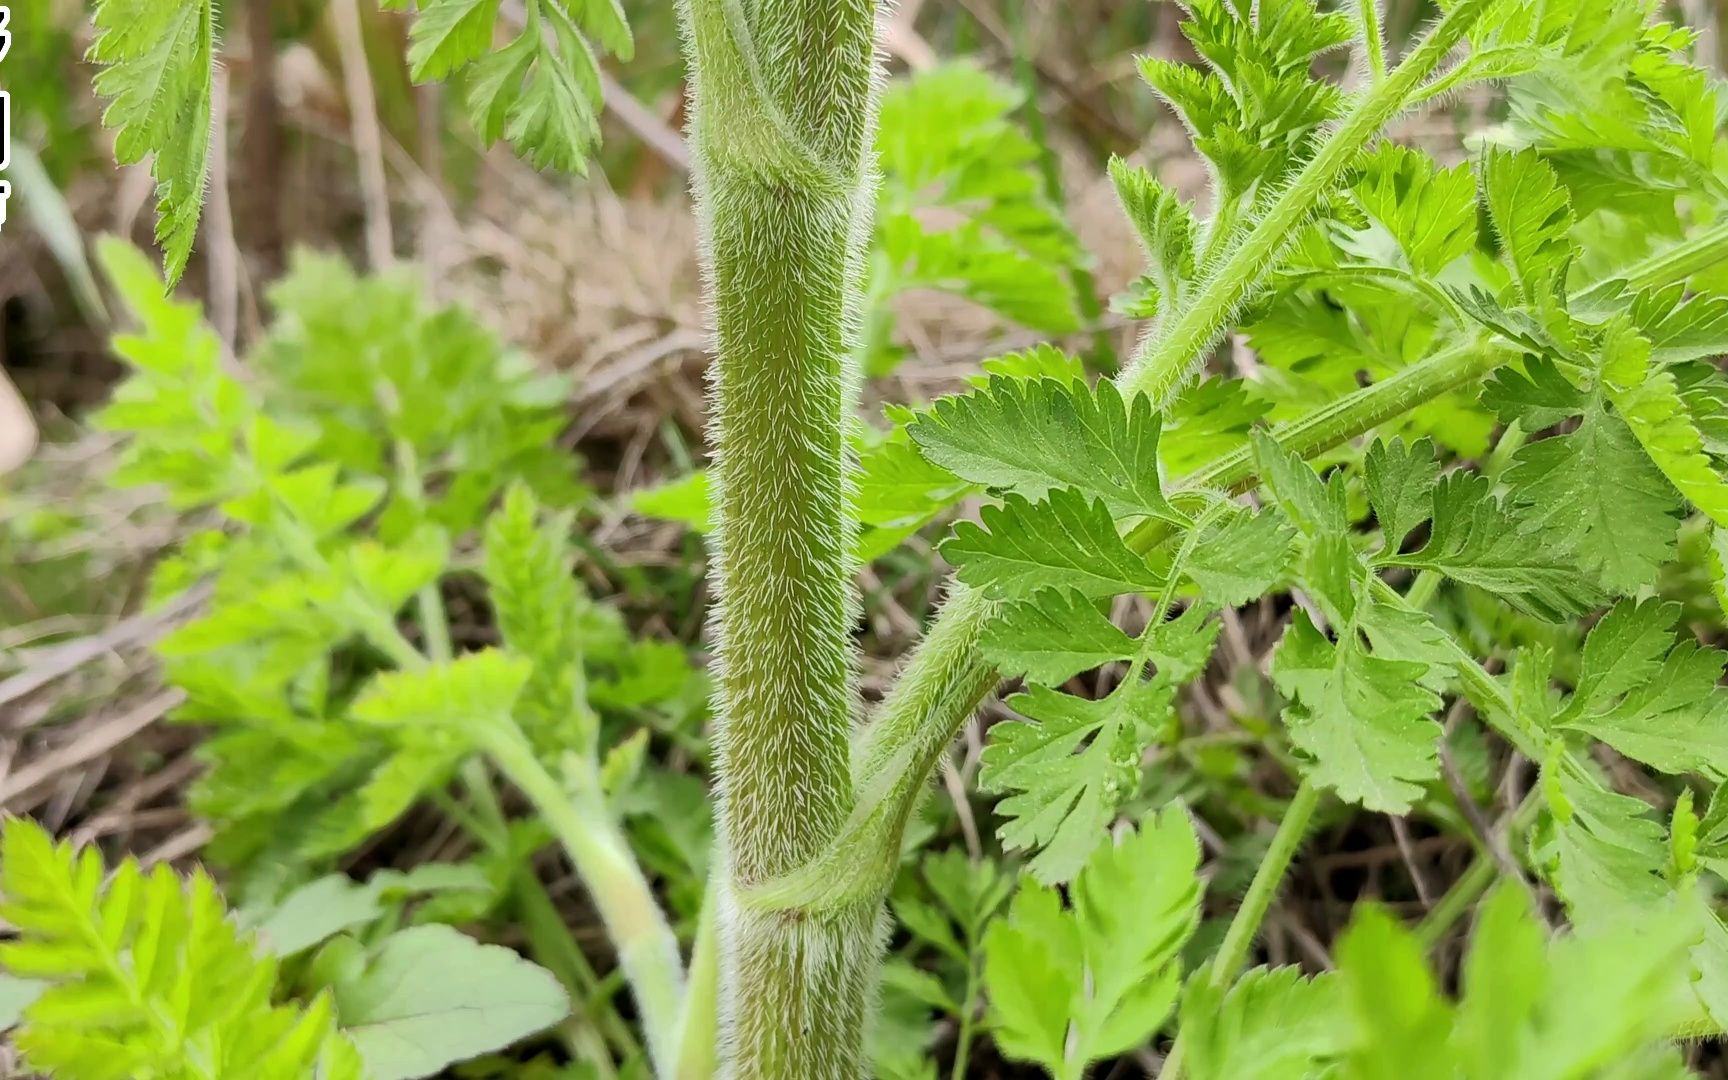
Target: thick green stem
point(784, 114)
point(1245, 925)
point(647, 948)
point(1170, 352)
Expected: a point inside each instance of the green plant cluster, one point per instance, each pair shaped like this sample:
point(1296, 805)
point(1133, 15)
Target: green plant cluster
point(1454, 422)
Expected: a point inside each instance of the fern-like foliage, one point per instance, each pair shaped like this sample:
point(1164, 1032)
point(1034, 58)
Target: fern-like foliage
point(147, 976)
point(157, 60)
point(540, 90)
point(375, 433)
point(963, 208)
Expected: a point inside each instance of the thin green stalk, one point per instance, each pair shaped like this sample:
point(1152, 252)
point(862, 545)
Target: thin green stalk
point(968, 1020)
point(1373, 38)
point(1245, 925)
point(1482, 873)
point(647, 948)
point(1169, 353)
point(549, 939)
point(1268, 878)
point(699, 1028)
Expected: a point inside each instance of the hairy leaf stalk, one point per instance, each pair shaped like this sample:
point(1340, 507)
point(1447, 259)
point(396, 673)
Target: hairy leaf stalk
point(785, 94)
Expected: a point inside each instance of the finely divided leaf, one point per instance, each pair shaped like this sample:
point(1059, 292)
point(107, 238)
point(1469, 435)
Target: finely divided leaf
point(1532, 218)
point(1066, 542)
point(1399, 478)
point(1476, 540)
point(1053, 637)
point(1430, 211)
point(538, 605)
point(147, 975)
point(1363, 720)
point(1241, 558)
point(1166, 227)
point(1599, 497)
point(1273, 1024)
point(1658, 705)
point(1068, 987)
point(1070, 764)
point(1649, 401)
point(157, 59)
point(541, 90)
point(1030, 437)
point(472, 689)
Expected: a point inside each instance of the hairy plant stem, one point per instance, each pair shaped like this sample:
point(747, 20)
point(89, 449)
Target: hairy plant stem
point(1170, 351)
point(783, 116)
point(1245, 924)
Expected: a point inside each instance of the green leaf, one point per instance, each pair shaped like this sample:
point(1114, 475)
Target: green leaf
point(1364, 721)
point(1208, 420)
point(1475, 540)
point(963, 207)
point(473, 689)
point(1649, 401)
point(1532, 219)
point(318, 911)
point(686, 500)
point(1041, 361)
point(1166, 227)
point(1273, 1024)
point(971, 892)
point(157, 59)
point(538, 605)
point(1065, 542)
point(1403, 1021)
point(1052, 638)
point(1606, 853)
point(1181, 647)
point(1505, 978)
point(1654, 704)
point(1241, 558)
point(899, 491)
point(1598, 496)
point(448, 34)
point(1259, 107)
point(1399, 478)
point(1069, 987)
point(147, 975)
point(1032, 436)
point(1033, 980)
point(430, 997)
point(1317, 508)
point(1069, 765)
point(541, 90)
point(1430, 211)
